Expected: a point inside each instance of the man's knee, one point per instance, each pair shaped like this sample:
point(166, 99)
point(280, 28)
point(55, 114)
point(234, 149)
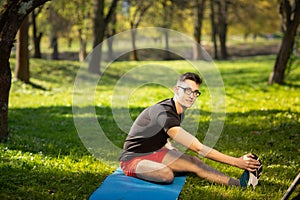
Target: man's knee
point(155, 172)
point(167, 175)
point(195, 164)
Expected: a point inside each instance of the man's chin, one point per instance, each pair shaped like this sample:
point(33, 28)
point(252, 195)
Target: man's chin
point(188, 105)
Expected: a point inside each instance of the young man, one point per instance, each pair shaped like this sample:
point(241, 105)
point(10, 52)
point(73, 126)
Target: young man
point(146, 154)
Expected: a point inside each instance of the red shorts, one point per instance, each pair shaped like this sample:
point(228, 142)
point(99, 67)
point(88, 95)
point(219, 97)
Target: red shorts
point(129, 167)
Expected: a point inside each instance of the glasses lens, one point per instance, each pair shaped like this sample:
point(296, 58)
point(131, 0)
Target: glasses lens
point(188, 91)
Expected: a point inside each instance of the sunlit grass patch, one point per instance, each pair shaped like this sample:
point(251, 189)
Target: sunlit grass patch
point(45, 159)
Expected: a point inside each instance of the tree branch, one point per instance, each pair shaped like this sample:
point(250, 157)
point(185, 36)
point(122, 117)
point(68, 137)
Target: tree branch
point(111, 11)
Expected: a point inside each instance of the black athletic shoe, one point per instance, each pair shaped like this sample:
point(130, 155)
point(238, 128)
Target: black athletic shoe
point(258, 171)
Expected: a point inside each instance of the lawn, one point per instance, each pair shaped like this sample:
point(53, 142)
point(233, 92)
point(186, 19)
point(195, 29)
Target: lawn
point(44, 157)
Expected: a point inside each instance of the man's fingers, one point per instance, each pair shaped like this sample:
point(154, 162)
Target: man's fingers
point(252, 165)
point(251, 169)
point(254, 161)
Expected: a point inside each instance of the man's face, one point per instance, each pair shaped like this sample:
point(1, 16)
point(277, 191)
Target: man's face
point(186, 93)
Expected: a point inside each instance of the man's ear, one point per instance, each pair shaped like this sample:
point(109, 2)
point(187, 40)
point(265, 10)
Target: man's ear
point(175, 88)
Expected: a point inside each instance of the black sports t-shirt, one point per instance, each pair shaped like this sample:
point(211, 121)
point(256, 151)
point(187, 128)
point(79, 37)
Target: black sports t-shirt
point(149, 131)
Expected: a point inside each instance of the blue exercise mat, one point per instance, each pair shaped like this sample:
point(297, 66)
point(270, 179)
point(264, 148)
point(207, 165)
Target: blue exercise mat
point(118, 186)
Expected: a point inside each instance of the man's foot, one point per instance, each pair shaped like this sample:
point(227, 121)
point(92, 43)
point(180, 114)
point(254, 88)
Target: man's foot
point(251, 178)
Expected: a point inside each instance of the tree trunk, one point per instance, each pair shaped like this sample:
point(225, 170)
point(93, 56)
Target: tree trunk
point(222, 28)
point(167, 55)
point(167, 22)
point(198, 17)
point(22, 53)
point(54, 45)
point(82, 50)
point(213, 29)
point(133, 54)
point(5, 83)
point(110, 52)
point(100, 23)
point(112, 31)
point(137, 16)
point(11, 17)
point(292, 20)
point(98, 32)
point(36, 39)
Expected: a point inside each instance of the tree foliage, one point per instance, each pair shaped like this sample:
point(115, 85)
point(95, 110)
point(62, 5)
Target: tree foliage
point(80, 23)
point(254, 17)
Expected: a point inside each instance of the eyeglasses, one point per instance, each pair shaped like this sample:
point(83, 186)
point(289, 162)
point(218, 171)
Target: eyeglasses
point(189, 91)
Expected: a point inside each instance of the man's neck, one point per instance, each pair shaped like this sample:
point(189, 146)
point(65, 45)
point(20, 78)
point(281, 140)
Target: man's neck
point(179, 108)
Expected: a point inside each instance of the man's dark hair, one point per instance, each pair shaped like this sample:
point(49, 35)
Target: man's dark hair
point(190, 76)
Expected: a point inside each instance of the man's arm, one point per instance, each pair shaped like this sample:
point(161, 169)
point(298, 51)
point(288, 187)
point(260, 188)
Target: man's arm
point(186, 139)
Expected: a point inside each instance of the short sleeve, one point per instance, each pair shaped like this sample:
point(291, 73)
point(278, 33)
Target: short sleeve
point(167, 118)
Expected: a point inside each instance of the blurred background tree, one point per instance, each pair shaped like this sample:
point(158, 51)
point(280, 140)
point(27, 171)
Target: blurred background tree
point(101, 20)
point(290, 17)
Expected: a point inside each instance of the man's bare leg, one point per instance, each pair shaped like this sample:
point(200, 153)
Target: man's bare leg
point(179, 162)
point(175, 161)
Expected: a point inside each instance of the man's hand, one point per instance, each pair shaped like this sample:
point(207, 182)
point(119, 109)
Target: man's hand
point(247, 162)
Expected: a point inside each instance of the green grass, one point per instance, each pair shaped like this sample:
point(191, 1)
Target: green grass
point(45, 159)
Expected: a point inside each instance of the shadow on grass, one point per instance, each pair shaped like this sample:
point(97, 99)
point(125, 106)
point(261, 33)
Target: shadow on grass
point(26, 181)
point(36, 86)
point(51, 130)
point(52, 71)
point(292, 85)
point(272, 134)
